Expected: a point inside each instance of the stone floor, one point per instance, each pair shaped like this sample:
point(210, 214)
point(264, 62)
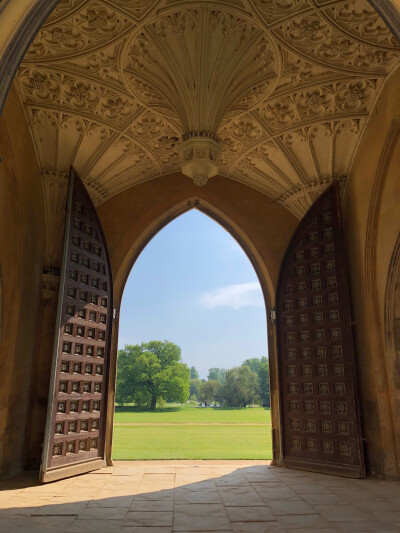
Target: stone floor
point(192, 496)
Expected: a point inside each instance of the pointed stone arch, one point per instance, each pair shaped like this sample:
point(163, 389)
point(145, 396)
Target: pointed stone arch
point(265, 280)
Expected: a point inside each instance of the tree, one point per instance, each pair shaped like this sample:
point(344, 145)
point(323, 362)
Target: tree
point(253, 363)
point(124, 390)
point(195, 386)
point(208, 390)
point(217, 374)
point(241, 387)
point(151, 371)
point(260, 366)
point(263, 376)
point(220, 394)
point(193, 373)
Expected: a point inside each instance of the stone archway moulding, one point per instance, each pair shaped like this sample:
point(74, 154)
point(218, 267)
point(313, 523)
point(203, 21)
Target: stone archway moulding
point(389, 10)
point(123, 272)
point(19, 22)
point(121, 276)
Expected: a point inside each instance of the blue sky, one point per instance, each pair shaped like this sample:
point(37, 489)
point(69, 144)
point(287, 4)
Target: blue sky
point(193, 285)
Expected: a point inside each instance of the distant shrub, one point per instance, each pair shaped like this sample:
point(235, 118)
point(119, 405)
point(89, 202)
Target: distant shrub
point(193, 399)
point(161, 403)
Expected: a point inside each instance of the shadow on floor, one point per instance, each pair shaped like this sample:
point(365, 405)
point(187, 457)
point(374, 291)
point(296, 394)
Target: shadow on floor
point(163, 497)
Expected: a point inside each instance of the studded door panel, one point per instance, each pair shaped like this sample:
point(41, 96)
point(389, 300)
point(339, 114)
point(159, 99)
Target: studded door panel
point(320, 420)
point(75, 430)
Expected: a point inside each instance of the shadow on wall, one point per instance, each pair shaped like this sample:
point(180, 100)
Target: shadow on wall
point(155, 497)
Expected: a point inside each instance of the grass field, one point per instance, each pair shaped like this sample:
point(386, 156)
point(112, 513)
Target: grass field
point(186, 413)
point(186, 432)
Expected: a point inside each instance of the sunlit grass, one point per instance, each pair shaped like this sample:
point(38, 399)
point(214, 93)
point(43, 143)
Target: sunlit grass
point(192, 442)
point(175, 414)
point(239, 434)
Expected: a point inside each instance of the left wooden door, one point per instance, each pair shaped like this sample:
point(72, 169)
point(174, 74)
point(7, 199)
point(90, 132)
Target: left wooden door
point(75, 429)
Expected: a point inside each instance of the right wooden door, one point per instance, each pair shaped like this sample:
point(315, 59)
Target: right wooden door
point(319, 409)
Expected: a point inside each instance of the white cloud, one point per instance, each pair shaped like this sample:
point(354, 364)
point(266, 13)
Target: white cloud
point(234, 296)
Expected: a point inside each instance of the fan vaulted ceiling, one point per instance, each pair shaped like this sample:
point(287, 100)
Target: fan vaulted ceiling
point(285, 86)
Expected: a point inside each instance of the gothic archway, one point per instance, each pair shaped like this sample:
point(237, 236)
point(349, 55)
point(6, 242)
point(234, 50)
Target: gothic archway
point(264, 278)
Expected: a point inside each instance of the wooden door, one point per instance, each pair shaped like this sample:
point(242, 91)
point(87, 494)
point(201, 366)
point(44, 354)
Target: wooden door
point(319, 408)
point(75, 429)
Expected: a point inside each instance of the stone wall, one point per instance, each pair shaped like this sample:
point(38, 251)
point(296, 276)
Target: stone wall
point(22, 239)
point(372, 225)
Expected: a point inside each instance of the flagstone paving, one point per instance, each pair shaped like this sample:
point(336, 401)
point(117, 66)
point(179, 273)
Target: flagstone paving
point(199, 496)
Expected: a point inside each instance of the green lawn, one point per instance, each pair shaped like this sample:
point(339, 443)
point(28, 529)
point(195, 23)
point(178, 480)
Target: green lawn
point(229, 440)
point(191, 442)
point(176, 414)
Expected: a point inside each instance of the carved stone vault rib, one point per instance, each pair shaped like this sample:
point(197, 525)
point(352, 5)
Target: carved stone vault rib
point(283, 88)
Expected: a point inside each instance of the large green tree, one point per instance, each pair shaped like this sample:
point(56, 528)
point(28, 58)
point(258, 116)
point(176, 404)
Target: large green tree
point(242, 387)
point(151, 371)
point(217, 374)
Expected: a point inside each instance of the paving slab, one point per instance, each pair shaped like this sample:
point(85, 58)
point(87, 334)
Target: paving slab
point(116, 501)
point(155, 495)
point(191, 496)
point(151, 506)
point(341, 513)
point(257, 527)
point(241, 496)
point(134, 529)
point(61, 509)
point(275, 493)
point(328, 499)
point(199, 517)
point(290, 507)
point(103, 513)
point(312, 521)
point(250, 514)
point(48, 524)
point(11, 525)
point(147, 519)
point(94, 526)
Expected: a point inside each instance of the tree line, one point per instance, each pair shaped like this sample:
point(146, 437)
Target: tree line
point(152, 372)
point(236, 387)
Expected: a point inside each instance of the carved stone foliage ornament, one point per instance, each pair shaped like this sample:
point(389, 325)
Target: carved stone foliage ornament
point(273, 93)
